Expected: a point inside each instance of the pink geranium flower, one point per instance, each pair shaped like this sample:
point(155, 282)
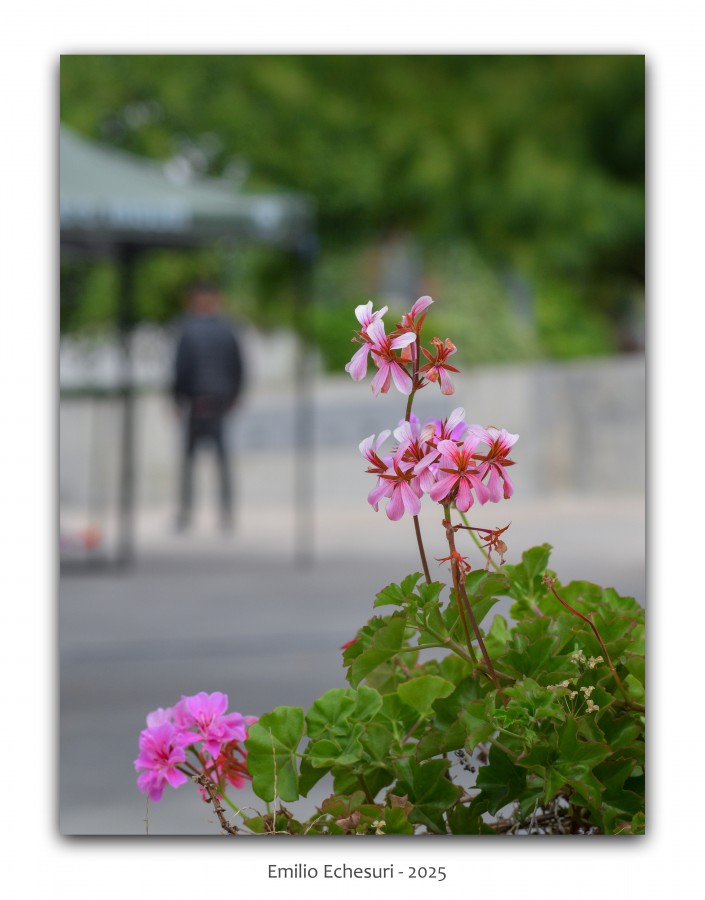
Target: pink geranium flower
point(378, 465)
point(206, 712)
point(451, 429)
point(417, 451)
point(461, 475)
point(437, 367)
point(401, 486)
point(383, 353)
point(496, 460)
point(413, 321)
point(162, 750)
point(357, 367)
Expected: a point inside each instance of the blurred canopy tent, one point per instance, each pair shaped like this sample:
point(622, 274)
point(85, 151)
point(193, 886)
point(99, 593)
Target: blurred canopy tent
point(116, 205)
point(110, 198)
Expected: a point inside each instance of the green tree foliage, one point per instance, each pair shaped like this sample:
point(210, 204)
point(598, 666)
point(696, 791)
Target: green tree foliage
point(527, 166)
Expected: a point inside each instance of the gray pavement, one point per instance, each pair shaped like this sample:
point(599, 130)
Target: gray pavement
point(237, 615)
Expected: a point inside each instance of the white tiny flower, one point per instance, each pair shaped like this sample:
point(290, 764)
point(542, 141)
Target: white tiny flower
point(588, 690)
point(593, 661)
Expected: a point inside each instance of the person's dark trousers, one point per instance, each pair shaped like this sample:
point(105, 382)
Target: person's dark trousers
point(205, 425)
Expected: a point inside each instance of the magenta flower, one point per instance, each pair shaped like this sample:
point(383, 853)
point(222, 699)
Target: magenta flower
point(496, 460)
point(162, 750)
point(462, 475)
point(437, 367)
point(357, 367)
point(159, 716)
point(207, 713)
point(383, 353)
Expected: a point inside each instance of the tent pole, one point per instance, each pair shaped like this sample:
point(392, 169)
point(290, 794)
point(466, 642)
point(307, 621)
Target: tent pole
point(304, 420)
point(126, 261)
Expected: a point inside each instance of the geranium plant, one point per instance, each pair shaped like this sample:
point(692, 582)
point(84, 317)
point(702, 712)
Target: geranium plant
point(451, 724)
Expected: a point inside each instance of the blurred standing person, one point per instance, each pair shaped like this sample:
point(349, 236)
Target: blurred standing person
point(208, 380)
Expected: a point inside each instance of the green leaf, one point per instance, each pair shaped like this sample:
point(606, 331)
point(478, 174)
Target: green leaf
point(429, 593)
point(639, 824)
point(396, 822)
point(531, 657)
point(483, 590)
point(635, 689)
point(331, 712)
point(636, 666)
point(369, 703)
point(468, 820)
point(382, 643)
point(397, 714)
point(345, 780)
point(497, 637)
point(420, 693)
point(331, 752)
point(525, 579)
point(479, 722)
point(271, 753)
point(309, 776)
point(428, 789)
point(450, 723)
point(398, 594)
point(576, 751)
point(500, 781)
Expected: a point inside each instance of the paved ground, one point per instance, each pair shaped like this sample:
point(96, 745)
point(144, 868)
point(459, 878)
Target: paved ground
point(204, 612)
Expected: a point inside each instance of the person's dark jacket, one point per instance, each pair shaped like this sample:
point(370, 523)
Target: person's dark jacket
point(208, 361)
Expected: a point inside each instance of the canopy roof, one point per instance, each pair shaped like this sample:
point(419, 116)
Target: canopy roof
point(111, 197)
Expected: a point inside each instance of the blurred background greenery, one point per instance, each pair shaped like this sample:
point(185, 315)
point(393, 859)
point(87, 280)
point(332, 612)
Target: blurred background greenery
point(510, 188)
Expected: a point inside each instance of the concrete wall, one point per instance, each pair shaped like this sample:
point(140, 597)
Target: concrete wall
point(581, 427)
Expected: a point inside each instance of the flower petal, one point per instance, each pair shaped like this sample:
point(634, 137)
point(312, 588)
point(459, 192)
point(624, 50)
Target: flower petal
point(403, 340)
point(494, 486)
point(395, 507)
point(442, 488)
point(464, 499)
point(454, 420)
point(421, 304)
point(447, 386)
point(382, 489)
point(412, 504)
point(357, 367)
point(380, 383)
point(375, 332)
point(401, 379)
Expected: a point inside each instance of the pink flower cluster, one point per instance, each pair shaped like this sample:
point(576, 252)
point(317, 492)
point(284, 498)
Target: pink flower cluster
point(200, 719)
point(448, 460)
point(396, 353)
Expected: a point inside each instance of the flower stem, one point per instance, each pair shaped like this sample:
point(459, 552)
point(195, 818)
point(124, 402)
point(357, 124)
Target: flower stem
point(422, 552)
point(477, 543)
point(463, 597)
point(407, 416)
